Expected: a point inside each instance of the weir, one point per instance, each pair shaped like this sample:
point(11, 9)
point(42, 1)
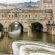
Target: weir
point(30, 47)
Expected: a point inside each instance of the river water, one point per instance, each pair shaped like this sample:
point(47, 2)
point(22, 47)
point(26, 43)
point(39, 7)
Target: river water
point(6, 41)
point(38, 36)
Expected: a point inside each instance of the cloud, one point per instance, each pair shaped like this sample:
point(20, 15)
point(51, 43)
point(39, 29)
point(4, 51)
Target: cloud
point(15, 1)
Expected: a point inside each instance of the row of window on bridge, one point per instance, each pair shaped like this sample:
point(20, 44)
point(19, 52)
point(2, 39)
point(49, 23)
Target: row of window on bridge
point(48, 15)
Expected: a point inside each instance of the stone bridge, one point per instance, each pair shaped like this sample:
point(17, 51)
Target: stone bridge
point(25, 17)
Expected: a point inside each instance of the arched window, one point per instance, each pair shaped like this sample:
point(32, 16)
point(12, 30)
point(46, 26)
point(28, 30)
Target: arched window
point(1, 27)
point(15, 15)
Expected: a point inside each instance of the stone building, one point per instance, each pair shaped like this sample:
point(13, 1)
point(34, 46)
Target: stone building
point(25, 17)
point(44, 15)
point(46, 4)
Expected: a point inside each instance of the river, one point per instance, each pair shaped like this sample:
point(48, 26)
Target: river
point(5, 42)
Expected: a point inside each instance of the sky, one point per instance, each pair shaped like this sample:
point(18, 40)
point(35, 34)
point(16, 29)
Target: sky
point(15, 1)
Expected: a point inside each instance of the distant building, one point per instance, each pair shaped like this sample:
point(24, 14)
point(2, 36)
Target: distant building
point(46, 4)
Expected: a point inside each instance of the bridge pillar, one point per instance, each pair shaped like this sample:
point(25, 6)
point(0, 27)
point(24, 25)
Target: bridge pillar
point(52, 31)
point(45, 28)
point(53, 38)
point(29, 31)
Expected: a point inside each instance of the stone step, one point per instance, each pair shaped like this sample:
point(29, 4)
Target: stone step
point(5, 54)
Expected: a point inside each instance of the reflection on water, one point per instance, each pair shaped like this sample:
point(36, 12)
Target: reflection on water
point(5, 43)
point(15, 33)
point(15, 30)
point(38, 36)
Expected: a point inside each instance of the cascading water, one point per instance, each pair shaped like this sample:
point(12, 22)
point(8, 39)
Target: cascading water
point(16, 31)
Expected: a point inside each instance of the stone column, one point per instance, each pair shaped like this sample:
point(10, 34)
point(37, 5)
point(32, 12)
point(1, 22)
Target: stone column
point(41, 4)
point(53, 10)
point(0, 34)
point(44, 27)
point(29, 31)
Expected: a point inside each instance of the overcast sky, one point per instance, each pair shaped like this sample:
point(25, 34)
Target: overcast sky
point(15, 1)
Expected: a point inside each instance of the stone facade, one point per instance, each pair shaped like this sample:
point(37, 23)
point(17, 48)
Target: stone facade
point(49, 4)
point(46, 4)
point(25, 17)
point(45, 15)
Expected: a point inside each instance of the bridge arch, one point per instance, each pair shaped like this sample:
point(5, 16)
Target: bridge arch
point(14, 24)
point(15, 30)
point(1, 28)
point(37, 26)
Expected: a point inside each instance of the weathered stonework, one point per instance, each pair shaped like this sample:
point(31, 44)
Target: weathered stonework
point(45, 15)
point(25, 17)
